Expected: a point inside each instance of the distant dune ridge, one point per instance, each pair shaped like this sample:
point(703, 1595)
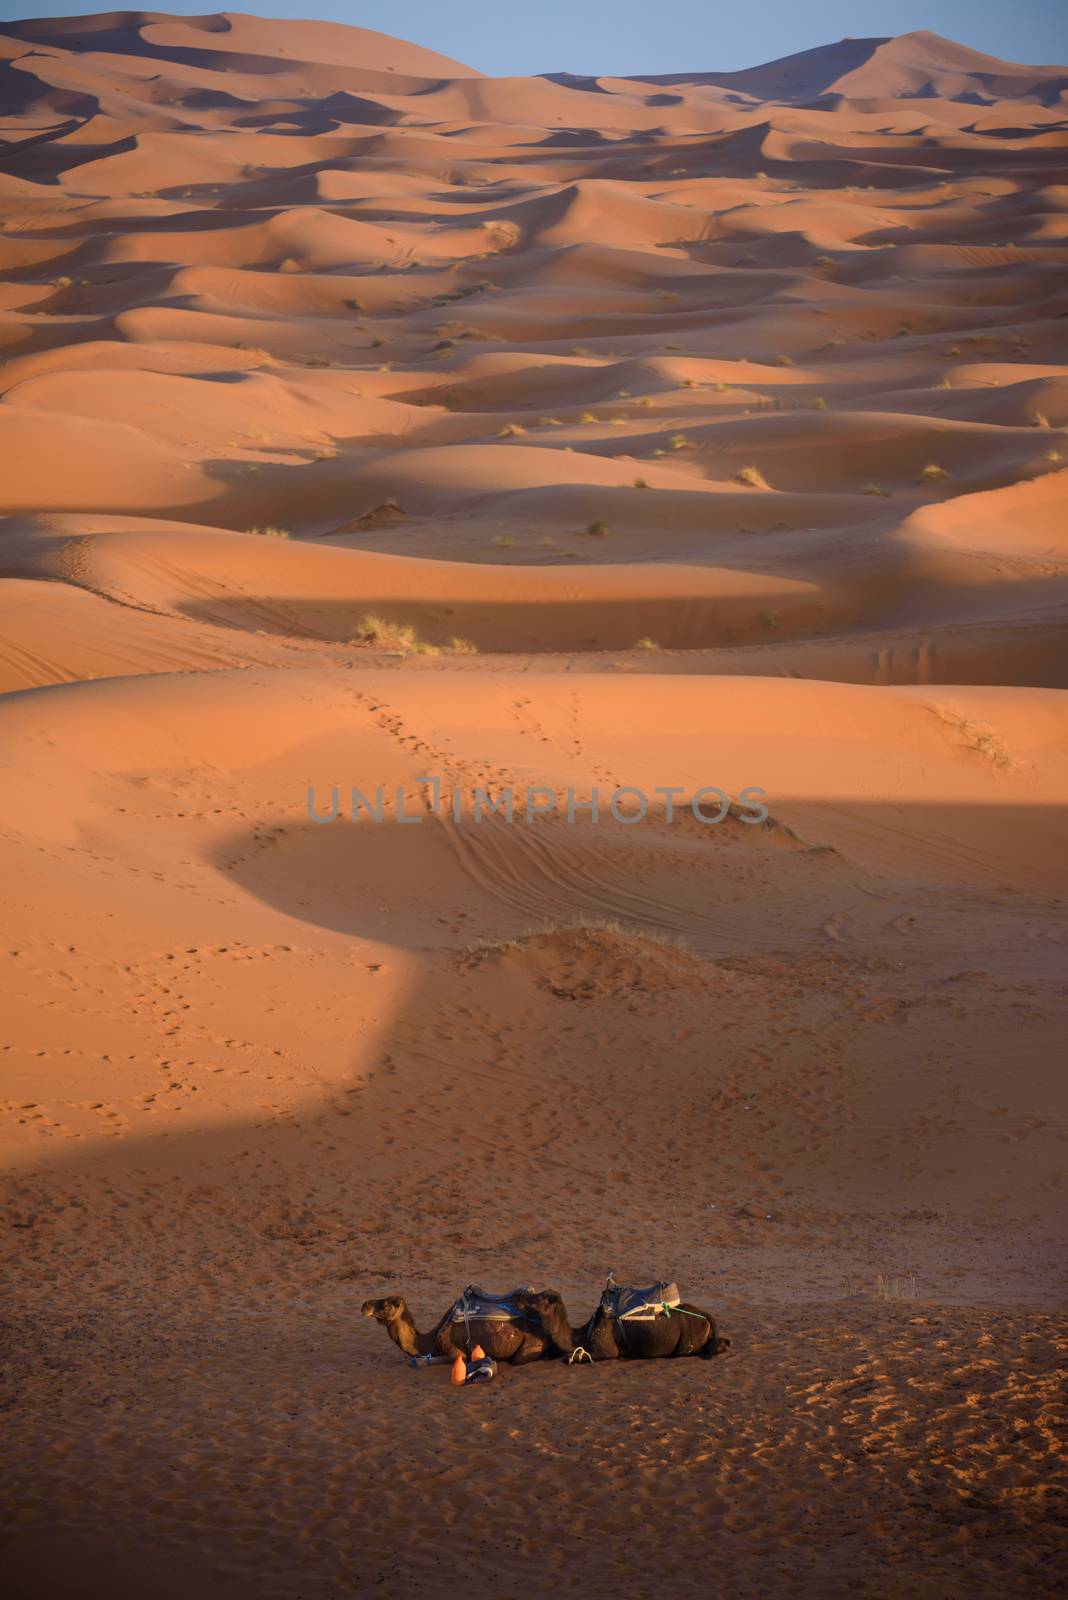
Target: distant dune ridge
point(919, 65)
point(367, 421)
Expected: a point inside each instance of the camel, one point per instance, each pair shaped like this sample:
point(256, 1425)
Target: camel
point(685, 1330)
point(515, 1342)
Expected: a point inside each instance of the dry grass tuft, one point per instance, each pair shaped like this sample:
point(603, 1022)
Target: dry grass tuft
point(896, 1288)
point(598, 933)
point(398, 637)
point(751, 478)
point(978, 736)
point(270, 532)
point(932, 473)
point(885, 1287)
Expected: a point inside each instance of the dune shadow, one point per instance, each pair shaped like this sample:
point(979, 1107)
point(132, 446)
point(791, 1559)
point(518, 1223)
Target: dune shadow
point(520, 626)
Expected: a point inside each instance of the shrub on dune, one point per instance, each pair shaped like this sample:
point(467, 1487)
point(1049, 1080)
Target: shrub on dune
point(598, 528)
point(751, 478)
point(270, 532)
point(394, 636)
point(932, 473)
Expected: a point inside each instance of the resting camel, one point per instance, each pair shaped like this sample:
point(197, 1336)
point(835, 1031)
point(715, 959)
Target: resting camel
point(516, 1342)
point(685, 1330)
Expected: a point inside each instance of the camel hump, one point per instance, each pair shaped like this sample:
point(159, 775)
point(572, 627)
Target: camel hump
point(640, 1305)
point(475, 1303)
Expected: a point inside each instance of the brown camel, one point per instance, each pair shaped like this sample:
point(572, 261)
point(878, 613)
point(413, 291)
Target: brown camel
point(685, 1330)
point(515, 1342)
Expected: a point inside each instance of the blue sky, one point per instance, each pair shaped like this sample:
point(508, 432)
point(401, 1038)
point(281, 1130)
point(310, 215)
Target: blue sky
point(620, 36)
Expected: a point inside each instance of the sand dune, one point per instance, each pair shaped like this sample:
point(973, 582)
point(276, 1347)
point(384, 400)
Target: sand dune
point(368, 423)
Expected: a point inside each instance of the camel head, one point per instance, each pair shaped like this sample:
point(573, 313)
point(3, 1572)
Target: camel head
point(386, 1310)
point(547, 1303)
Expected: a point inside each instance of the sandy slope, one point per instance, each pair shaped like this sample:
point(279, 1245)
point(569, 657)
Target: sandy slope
point(702, 430)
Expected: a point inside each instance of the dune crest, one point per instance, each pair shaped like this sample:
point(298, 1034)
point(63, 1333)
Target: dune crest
point(533, 711)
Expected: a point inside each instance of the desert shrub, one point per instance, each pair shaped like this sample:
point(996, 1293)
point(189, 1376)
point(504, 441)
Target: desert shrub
point(398, 636)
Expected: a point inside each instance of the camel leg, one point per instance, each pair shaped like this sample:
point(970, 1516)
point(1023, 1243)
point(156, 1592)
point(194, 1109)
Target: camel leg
point(527, 1352)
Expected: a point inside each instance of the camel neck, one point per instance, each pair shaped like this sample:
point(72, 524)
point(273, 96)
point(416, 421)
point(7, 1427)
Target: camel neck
point(405, 1334)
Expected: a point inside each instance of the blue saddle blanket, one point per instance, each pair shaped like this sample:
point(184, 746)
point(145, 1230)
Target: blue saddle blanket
point(479, 1305)
point(639, 1305)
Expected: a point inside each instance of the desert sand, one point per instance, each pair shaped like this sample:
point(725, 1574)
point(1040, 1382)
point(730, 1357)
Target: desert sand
point(366, 420)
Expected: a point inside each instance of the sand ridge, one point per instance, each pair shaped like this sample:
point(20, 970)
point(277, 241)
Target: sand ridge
point(368, 422)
